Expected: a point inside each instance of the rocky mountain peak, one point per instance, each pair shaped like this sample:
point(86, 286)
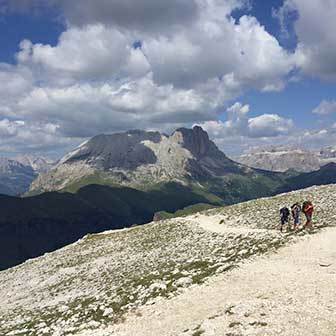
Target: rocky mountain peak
point(196, 140)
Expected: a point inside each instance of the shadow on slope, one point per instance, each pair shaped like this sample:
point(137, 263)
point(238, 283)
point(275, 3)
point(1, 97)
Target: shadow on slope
point(323, 176)
point(32, 226)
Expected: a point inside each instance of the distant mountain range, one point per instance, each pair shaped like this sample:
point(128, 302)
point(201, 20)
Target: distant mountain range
point(282, 159)
point(115, 181)
point(17, 174)
point(15, 178)
point(38, 163)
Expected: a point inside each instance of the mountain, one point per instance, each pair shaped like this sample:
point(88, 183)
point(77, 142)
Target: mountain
point(327, 155)
point(281, 160)
point(142, 160)
point(15, 177)
point(38, 163)
point(88, 287)
point(17, 174)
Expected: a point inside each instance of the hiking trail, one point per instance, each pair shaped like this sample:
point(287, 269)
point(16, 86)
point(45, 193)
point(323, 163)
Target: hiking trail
point(289, 293)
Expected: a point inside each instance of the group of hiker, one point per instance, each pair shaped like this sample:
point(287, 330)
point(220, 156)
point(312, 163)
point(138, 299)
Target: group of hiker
point(307, 209)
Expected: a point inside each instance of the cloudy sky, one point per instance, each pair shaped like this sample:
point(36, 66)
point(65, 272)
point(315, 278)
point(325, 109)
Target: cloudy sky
point(251, 72)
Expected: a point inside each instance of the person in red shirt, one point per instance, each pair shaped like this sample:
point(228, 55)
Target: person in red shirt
point(308, 209)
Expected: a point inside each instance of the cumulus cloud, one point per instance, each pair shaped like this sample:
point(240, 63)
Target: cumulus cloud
point(20, 136)
point(94, 52)
point(325, 108)
point(269, 125)
point(216, 48)
point(140, 14)
point(87, 109)
point(238, 143)
point(151, 64)
point(96, 80)
point(314, 27)
point(240, 125)
point(9, 129)
point(14, 80)
point(152, 15)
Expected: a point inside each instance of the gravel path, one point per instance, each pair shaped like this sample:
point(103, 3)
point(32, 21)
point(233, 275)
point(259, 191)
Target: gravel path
point(292, 292)
point(213, 224)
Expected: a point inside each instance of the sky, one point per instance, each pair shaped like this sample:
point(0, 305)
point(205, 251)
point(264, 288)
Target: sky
point(252, 73)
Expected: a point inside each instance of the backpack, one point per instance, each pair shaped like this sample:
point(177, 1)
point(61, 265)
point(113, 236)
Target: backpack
point(296, 208)
point(284, 212)
point(305, 205)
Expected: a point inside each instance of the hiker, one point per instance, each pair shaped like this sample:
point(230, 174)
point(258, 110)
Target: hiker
point(308, 209)
point(284, 217)
point(296, 209)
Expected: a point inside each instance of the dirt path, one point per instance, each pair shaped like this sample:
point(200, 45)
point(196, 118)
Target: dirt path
point(213, 223)
point(292, 292)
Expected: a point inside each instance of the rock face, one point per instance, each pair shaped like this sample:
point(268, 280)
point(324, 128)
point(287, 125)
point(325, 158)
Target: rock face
point(123, 151)
point(139, 158)
point(282, 160)
point(15, 178)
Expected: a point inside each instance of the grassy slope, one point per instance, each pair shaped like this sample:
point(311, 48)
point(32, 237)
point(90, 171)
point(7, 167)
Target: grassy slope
point(93, 283)
point(189, 210)
point(229, 189)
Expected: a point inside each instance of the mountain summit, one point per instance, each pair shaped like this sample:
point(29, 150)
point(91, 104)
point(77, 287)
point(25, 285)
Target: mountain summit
point(140, 159)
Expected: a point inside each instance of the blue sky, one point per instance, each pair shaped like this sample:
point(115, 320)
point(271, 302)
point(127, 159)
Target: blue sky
point(252, 73)
point(38, 29)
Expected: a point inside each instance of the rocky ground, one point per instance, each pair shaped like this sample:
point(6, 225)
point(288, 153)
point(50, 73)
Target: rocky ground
point(90, 287)
point(291, 293)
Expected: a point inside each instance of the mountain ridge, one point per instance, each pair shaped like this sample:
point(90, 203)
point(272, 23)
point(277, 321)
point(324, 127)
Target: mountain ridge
point(280, 159)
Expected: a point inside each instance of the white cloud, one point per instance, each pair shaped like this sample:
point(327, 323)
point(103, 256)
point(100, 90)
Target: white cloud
point(88, 109)
point(8, 128)
point(315, 27)
point(139, 15)
point(94, 80)
point(325, 108)
point(239, 125)
point(154, 16)
point(192, 58)
point(15, 82)
point(269, 125)
point(214, 48)
point(18, 135)
point(238, 109)
point(90, 53)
